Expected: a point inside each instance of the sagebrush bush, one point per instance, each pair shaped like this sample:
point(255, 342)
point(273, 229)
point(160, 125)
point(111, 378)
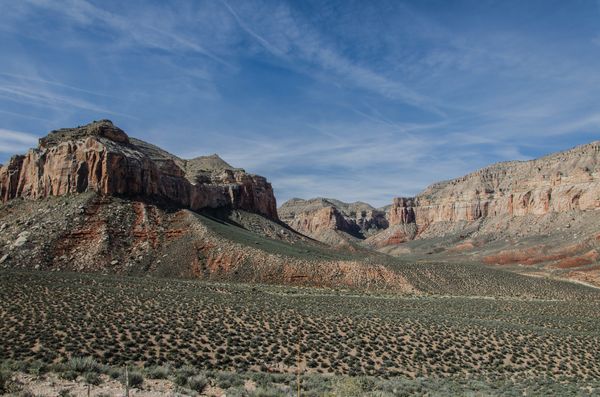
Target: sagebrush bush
point(197, 383)
point(68, 375)
point(92, 378)
point(226, 380)
point(37, 368)
point(180, 380)
point(115, 373)
point(84, 364)
point(266, 391)
point(136, 379)
point(158, 372)
point(65, 393)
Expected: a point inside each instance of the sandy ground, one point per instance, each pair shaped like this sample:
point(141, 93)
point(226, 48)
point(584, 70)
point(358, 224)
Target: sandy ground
point(50, 385)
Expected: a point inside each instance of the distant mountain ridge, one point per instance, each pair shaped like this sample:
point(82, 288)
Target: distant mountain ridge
point(551, 203)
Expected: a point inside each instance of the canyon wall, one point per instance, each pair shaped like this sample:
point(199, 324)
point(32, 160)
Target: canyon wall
point(317, 217)
point(100, 157)
point(489, 201)
point(559, 182)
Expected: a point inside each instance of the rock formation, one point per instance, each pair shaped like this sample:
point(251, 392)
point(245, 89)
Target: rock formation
point(559, 182)
point(542, 214)
point(100, 157)
point(89, 232)
point(318, 217)
point(107, 198)
point(401, 212)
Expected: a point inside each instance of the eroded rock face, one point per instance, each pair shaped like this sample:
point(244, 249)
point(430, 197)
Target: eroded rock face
point(317, 217)
point(401, 212)
point(560, 182)
point(100, 157)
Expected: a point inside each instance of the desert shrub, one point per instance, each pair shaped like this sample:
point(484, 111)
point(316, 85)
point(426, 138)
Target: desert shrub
point(187, 371)
point(37, 368)
point(65, 393)
point(158, 372)
point(262, 378)
point(5, 381)
point(68, 375)
point(92, 378)
point(180, 380)
point(114, 373)
point(266, 391)
point(401, 386)
point(352, 387)
point(136, 379)
point(315, 384)
point(226, 380)
point(15, 365)
point(84, 364)
point(197, 382)
point(237, 392)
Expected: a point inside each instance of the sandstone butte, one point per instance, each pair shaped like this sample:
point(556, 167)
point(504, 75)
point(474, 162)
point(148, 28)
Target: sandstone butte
point(101, 157)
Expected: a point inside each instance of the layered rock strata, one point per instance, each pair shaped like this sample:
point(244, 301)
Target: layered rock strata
point(100, 157)
point(559, 182)
point(318, 217)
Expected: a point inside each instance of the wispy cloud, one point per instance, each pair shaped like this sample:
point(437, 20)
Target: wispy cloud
point(270, 47)
point(288, 36)
point(51, 83)
point(42, 97)
point(23, 115)
point(138, 30)
point(347, 163)
point(16, 141)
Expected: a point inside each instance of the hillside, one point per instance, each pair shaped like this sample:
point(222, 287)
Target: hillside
point(536, 217)
point(92, 199)
point(332, 221)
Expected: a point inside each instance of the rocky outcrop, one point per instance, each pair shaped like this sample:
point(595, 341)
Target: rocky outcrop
point(540, 215)
point(560, 182)
point(318, 217)
point(324, 218)
point(100, 157)
point(401, 212)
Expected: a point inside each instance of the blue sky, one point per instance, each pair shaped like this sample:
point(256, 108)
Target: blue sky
point(357, 100)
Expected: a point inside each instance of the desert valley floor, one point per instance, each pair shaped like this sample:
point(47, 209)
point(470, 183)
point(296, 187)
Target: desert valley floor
point(397, 344)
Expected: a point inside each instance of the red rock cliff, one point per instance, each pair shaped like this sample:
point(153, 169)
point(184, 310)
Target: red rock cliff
point(317, 217)
point(559, 182)
point(100, 157)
